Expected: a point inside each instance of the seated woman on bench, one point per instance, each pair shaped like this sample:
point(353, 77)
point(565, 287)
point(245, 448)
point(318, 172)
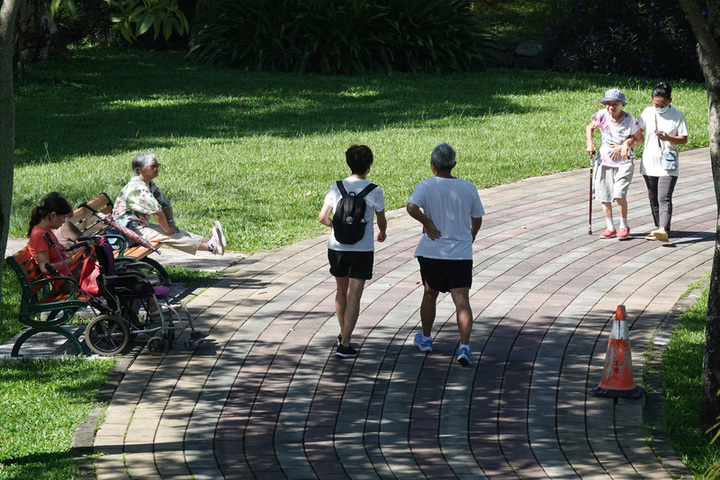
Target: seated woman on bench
point(141, 198)
point(44, 247)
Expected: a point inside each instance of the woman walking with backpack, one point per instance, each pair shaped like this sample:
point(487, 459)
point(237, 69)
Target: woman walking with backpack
point(351, 259)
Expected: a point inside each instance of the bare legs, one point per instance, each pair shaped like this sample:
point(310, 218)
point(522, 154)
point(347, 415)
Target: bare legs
point(463, 312)
point(347, 304)
point(622, 208)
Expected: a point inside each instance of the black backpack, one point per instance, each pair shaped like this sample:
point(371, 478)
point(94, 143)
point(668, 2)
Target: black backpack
point(349, 217)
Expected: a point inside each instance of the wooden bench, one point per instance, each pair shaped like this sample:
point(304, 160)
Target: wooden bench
point(89, 224)
point(39, 298)
point(86, 223)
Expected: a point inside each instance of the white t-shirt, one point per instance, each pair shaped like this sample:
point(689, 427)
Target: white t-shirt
point(614, 134)
point(450, 203)
point(672, 122)
point(374, 202)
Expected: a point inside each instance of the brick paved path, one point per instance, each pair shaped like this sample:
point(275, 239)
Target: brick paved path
point(264, 397)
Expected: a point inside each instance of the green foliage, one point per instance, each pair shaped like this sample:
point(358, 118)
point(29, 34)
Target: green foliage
point(513, 19)
point(648, 38)
point(341, 36)
point(41, 404)
point(69, 5)
point(137, 17)
point(87, 22)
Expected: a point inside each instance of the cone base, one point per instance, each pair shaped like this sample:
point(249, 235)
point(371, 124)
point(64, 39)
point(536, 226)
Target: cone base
point(634, 394)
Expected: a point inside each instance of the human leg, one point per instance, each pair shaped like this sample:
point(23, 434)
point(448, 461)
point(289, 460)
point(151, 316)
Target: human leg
point(608, 213)
point(603, 182)
point(624, 230)
point(341, 291)
point(666, 187)
point(463, 313)
point(428, 309)
point(352, 308)
point(652, 187)
point(182, 240)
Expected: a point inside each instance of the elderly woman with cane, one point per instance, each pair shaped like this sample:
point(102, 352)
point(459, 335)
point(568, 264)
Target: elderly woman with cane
point(615, 161)
point(141, 198)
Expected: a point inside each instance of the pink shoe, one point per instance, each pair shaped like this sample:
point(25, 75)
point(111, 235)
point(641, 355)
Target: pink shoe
point(608, 234)
point(623, 234)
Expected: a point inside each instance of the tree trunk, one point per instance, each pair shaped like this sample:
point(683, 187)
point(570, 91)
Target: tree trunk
point(8, 12)
point(710, 404)
point(37, 37)
point(706, 28)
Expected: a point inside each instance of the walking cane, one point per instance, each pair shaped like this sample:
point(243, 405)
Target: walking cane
point(592, 163)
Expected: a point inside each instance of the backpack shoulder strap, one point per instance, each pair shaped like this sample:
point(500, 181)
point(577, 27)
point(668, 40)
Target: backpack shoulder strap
point(341, 187)
point(366, 190)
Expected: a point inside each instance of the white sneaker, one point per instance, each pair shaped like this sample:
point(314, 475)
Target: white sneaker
point(221, 242)
point(214, 244)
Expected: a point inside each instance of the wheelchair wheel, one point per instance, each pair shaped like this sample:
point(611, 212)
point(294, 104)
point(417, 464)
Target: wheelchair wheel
point(159, 271)
point(158, 345)
point(107, 335)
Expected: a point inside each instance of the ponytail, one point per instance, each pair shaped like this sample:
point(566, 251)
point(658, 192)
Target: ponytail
point(663, 90)
point(52, 202)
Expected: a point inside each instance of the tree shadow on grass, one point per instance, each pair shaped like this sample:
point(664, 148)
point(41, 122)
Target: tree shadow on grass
point(100, 101)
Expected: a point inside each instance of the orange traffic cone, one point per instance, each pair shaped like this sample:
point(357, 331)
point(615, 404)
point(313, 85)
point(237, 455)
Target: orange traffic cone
point(617, 380)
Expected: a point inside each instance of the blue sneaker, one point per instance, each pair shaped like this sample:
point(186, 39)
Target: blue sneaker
point(464, 357)
point(423, 345)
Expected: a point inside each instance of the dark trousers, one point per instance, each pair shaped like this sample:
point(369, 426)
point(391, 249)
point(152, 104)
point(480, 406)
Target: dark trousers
point(660, 192)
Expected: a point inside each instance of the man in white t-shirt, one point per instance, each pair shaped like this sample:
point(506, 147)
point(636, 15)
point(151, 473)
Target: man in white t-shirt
point(351, 264)
point(451, 213)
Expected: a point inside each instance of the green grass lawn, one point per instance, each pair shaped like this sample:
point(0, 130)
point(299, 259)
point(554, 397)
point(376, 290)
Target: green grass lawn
point(258, 151)
point(41, 404)
point(682, 389)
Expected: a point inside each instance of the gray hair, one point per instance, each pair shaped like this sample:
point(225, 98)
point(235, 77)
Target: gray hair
point(142, 160)
point(443, 156)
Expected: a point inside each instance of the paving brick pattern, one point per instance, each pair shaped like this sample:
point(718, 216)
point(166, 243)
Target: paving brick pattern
point(265, 398)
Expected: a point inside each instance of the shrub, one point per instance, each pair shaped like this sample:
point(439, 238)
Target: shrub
point(84, 21)
point(341, 36)
point(648, 38)
point(135, 18)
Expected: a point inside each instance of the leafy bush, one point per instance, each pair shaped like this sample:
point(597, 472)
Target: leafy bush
point(134, 18)
point(649, 38)
point(82, 21)
point(341, 36)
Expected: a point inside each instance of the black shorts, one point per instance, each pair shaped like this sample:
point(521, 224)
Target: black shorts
point(445, 275)
point(351, 264)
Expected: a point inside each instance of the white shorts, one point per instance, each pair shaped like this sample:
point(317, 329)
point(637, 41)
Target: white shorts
point(612, 182)
point(184, 241)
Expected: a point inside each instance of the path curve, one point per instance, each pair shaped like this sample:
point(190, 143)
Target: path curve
point(265, 398)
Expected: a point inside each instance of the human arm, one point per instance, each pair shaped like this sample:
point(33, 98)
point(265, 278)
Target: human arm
point(429, 227)
point(589, 145)
point(475, 225)
point(43, 258)
point(166, 221)
point(324, 215)
point(631, 142)
point(674, 139)
point(382, 226)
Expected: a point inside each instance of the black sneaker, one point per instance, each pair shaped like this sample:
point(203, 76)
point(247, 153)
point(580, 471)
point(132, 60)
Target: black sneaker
point(345, 352)
point(339, 340)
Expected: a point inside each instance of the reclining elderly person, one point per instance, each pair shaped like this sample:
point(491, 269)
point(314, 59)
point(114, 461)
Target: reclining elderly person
point(141, 198)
